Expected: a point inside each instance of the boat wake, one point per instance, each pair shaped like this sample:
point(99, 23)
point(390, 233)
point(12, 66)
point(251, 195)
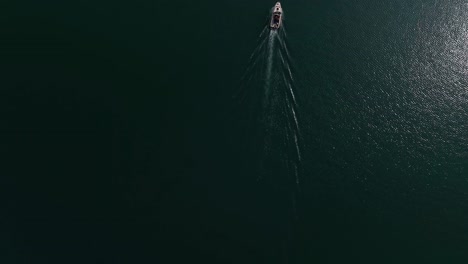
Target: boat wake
point(271, 129)
point(268, 93)
point(269, 62)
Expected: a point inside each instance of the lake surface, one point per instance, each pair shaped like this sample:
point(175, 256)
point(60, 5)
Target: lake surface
point(171, 132)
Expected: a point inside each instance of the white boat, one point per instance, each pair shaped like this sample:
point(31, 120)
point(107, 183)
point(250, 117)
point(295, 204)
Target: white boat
point(276, 16)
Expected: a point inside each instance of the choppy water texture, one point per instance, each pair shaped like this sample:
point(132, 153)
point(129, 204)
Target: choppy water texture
point(383, 93)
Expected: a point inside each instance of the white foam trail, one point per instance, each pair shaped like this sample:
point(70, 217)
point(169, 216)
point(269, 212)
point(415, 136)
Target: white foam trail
point(297, 148)
point(282, 42)
point(296, 124)
point(295, 118)
point(281, 57)
point(292, 94)
point(285, 47)
point(269, 60)
point(291, 91)
point(295, 131)
point(287, 51)
point(290, 73)
point(286, 66)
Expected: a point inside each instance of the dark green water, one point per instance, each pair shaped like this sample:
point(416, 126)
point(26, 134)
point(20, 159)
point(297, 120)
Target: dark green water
point(124, 138)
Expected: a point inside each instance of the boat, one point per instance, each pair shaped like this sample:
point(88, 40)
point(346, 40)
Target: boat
point(276, 16)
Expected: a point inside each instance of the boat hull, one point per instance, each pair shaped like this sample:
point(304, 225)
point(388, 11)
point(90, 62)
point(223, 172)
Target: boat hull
point(276, 17)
